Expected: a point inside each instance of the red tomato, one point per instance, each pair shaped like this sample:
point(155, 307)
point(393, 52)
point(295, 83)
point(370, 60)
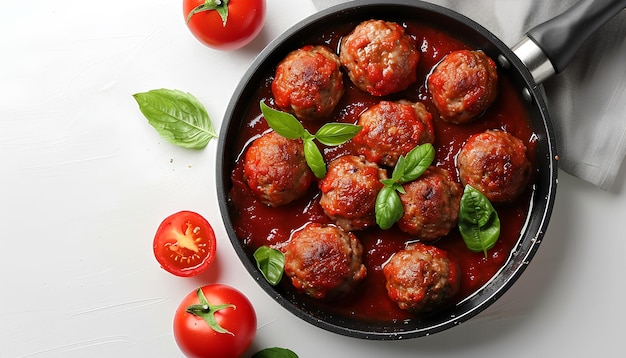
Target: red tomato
point(243, 21)
point(234, 325)
point(185, 244)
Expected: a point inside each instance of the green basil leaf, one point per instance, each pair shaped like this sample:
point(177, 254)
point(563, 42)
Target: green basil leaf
point(282, 123)
point(478, 221)
point(479, 239)
point(332, 134)
point(275, 352)
point(314, 159)
point(475, 207)
point(177, 116)
point(307, 136)
point(398, 170)
point(417, 161)
point(388, 207)
point(271, 262)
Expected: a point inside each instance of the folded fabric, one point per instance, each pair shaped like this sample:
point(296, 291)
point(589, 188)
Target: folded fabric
point(587, 101)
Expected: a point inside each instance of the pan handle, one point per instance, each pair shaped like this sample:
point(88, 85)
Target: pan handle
point(549, 47)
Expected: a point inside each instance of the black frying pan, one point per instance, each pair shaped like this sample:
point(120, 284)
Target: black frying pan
point(544, 51)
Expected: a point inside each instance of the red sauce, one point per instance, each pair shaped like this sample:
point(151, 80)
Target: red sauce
point(257, 224)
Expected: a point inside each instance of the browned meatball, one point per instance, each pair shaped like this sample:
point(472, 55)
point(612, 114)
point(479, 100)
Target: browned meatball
point(463, 85)
point(392, 129)
point(431, 205)
point(275, 169)
point(421, 278)
point(324, 261)
point(349, 191)
point(495, 163)
point(380, 57)
point(309, 82)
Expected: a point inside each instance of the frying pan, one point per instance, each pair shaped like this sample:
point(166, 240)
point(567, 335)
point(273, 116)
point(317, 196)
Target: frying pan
point(544, 51)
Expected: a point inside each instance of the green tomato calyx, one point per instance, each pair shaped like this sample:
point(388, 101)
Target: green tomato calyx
point(221, 6)
point(207, 312)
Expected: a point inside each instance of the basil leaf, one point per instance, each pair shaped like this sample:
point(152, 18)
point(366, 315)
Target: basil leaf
point(476, 208)
point(336, 133)
point(275, 353)
point(177, 116)
point(481, 239)
point(282, 123)
point(417, 161)
point(330, 134)
point(388, 208)
point(478, 221)
point(271, 262)
point(314, 159)
point(398, 170)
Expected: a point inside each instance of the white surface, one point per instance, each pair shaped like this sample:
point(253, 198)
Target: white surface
point(85, 181)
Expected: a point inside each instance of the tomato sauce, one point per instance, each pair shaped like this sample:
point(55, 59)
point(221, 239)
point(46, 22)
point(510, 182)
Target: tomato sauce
point(257, 224)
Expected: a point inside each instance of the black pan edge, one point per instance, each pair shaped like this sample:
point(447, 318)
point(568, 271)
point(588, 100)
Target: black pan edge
point(543, 194)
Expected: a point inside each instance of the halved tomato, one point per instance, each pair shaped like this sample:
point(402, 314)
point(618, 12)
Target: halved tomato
point(184, 244)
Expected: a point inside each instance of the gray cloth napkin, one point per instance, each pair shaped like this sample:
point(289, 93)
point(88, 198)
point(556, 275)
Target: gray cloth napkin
point(587, 101)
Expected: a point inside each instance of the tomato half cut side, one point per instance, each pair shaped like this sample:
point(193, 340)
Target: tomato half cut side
point(184, 244)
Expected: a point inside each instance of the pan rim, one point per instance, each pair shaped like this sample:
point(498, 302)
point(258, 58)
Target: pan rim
point(539, 224)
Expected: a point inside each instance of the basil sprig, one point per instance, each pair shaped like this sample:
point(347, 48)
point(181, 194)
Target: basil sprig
point(177, 116)
point(478, 221)
point(271, 262)
point(389, 207)
point(330, 134)
point(275, 352)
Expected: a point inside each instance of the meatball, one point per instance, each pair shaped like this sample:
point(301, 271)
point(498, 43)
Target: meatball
point(421, 278)
point(275, 169)
point(495, 163)
point(380, 57)
point(463, 85)
point(349, 191)
point(431, 205)
point(309, 82)
point(324, 261)
point(392, 129)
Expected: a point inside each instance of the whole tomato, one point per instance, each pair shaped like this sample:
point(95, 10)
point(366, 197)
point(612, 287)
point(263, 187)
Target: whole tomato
point(224, 24)
point(215, 321)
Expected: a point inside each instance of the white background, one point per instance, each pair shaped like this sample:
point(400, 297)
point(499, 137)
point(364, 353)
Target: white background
point(85, 181)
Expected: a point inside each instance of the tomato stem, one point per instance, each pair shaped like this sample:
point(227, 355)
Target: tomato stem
point(207, 312)
point(221, 6)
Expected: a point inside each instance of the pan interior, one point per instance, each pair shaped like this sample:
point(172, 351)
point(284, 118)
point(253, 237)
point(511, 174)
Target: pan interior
point(543, 191)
